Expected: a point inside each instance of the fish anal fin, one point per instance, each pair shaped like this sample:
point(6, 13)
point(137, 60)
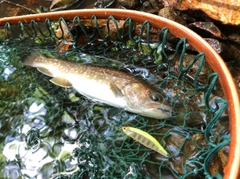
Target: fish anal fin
point(45, 71)
point(61, 82)
point(116, 90)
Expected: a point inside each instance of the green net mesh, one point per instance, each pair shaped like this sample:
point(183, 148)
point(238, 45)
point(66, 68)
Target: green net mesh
point(52, 132)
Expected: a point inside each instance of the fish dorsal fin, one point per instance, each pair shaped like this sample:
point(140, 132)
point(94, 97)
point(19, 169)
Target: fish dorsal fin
point(45, 71)
point(61, 82)
point(116, 91)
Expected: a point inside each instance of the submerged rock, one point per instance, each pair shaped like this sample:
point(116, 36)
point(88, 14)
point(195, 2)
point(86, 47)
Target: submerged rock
point(129, 4)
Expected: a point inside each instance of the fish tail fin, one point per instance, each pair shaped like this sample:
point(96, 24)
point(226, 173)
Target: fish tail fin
point(30, 60)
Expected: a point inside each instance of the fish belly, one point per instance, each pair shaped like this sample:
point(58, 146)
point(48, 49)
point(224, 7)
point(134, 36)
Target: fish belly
point(97, 90)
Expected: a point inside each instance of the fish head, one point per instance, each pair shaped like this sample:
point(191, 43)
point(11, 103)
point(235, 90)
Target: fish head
point(148, 102)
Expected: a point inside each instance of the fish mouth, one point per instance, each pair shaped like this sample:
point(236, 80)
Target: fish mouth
point(153, 110)
point(165, 110)
point(157, 111)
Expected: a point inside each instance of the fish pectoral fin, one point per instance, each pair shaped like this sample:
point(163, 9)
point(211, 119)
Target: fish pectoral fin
point(117, 92)
point(61, 82)
point(45, 71)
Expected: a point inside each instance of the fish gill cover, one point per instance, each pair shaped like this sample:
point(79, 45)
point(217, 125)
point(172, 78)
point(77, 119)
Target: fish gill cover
point(47, 131)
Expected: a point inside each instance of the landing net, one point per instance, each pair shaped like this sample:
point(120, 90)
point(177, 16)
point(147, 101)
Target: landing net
point(51, 132)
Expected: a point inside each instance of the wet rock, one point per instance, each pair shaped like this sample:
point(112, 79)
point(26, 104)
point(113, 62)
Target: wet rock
point(64, 4)
point(192, 149)
point(155, 5)
point(147, 7)
point(171, 14)
point(167, 3)
point(187, 61)
point(129, 4)
point(187, 18)
point(68, 30)
point(206, 28)
point(151, 6)
point(16, 8)
point(218, 162)
point(113, 29)
point(235, 37)
point(189, 150)
point(227, 51)
point(223, 155)
point(154, 32)
point(227, 11)
point(103, 3)
point(190, 77)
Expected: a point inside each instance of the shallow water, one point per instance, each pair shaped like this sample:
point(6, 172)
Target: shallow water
point(49, 131)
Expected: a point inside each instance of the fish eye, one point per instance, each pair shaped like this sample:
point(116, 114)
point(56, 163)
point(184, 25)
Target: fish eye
point(124, 127)
point(154, 97)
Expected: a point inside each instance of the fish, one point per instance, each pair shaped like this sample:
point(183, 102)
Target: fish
point(145, 139)
point(104, 85)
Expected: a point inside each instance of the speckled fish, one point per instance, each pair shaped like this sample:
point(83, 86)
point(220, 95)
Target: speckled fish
point(145, 139)
point(104, 85)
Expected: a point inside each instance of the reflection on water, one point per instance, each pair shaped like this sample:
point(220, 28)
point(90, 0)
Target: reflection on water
point(38, 161)
point(31, 161)
point(7, 72)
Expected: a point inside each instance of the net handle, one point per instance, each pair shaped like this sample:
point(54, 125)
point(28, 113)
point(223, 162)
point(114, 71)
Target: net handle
point(232, 170)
